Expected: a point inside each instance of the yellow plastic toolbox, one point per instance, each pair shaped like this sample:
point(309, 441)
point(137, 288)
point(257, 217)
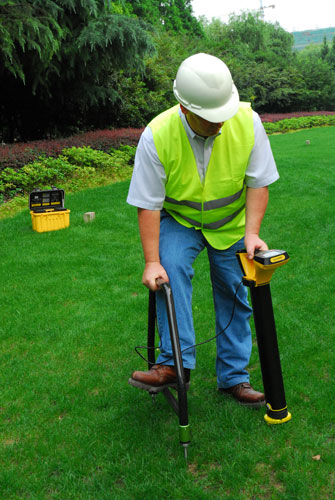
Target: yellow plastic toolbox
point(47, 210)
point(50, 221)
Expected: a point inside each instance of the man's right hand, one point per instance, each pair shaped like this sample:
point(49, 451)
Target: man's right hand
point(153, 271)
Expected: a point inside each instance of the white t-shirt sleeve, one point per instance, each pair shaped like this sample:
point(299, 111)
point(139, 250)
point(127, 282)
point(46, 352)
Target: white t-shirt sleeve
point(261, 170)
point(147, 186)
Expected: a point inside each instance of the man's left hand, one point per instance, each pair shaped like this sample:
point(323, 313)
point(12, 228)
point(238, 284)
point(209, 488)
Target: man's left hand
point(253, 242)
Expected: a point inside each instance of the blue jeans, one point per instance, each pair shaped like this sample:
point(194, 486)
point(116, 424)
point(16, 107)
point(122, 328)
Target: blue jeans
point(179, 247)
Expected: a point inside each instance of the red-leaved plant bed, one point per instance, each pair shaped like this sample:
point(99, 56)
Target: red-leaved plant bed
point(275, 117)
point(19, 154)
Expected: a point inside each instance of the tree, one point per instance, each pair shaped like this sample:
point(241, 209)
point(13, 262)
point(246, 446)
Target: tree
point(265, 68)
point(28, 30)
point(331, 55)
point(173, 15)
point(319, 78)
point(250, 38)
point(325, 49)
point(57, 55)
point(143, 96)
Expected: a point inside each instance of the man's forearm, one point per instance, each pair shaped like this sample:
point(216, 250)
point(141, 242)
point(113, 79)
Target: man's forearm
point(256, 203)
point(149, 225)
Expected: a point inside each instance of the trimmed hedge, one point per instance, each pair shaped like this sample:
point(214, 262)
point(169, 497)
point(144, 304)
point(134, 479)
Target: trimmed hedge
point(276, 117)
point(78, 164)
point(20, 154)
point(40, 163)
point(298, 123)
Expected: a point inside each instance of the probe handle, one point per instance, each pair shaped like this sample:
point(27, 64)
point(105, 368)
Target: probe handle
point(160, 282)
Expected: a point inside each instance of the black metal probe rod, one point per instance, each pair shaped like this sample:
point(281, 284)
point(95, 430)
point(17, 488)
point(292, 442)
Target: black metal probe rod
point(269, 354)
point(178, 363)
point(151, 328)
point(178, 405)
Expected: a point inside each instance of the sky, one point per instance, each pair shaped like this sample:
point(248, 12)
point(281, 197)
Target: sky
point(292, 15)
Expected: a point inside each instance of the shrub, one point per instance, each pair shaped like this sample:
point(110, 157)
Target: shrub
point(275, 117)
point(77, 164)
point(17, 155)
point(86, 156)
point(36, 174)
point(298, 123)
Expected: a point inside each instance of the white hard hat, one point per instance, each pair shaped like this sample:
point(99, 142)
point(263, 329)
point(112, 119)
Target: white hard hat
point(204, 86)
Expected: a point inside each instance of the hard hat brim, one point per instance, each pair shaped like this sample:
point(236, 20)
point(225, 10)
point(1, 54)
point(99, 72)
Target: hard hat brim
point(214, 115)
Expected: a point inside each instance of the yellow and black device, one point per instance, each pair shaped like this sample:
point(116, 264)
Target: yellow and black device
point(257, 274)
point(258, 271)
point(47, 210)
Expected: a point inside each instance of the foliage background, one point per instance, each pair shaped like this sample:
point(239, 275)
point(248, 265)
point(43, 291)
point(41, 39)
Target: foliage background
point(68, 66)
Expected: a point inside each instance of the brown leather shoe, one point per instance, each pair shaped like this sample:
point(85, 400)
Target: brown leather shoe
point(159, 376)
point(246, 395)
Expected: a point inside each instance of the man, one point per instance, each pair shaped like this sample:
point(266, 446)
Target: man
point(201, 176)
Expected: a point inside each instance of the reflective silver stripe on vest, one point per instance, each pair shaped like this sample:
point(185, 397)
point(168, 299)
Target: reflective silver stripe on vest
point(208, 205)
point(222, 202)
point(192, 204)
point(211, 225)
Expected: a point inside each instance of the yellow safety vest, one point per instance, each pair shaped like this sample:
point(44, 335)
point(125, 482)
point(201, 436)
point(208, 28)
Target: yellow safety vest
point(216, 206)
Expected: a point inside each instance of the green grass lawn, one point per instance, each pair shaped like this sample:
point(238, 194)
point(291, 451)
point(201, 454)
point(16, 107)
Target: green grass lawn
point(72, 309)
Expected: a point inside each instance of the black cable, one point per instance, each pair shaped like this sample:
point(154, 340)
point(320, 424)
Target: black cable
point(200, 343)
